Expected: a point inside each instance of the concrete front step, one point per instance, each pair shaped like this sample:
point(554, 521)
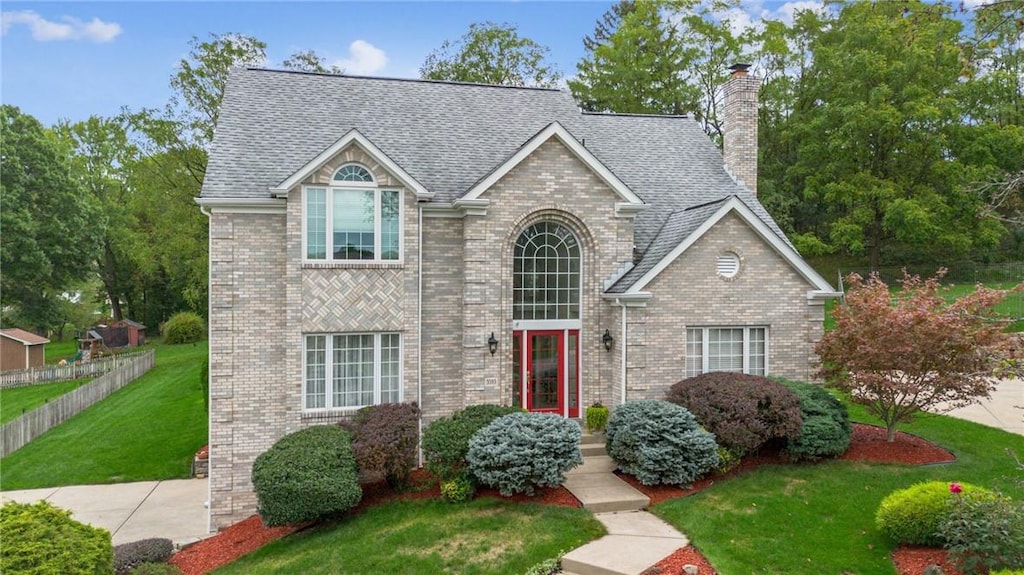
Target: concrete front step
point(590, 438)
point(589, 449)
point(635, 541)
point(593, 464)
point(604, 492)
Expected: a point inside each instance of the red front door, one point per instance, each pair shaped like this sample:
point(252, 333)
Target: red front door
point(544, 373)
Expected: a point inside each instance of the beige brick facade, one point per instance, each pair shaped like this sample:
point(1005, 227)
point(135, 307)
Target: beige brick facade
point(264, 299)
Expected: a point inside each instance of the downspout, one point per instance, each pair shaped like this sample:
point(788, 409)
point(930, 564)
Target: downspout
point(209, 377)
point(419, 328)
point(623, 339)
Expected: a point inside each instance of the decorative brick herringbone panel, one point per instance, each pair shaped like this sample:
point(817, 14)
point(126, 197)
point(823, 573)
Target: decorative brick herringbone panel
point(339, 300)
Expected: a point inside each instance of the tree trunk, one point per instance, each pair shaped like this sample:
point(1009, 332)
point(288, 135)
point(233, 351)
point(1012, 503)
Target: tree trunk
point(110, 284)
point(890, 433)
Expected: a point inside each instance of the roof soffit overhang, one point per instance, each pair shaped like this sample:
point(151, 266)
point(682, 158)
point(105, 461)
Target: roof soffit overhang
point(820, 287)
point(472, 204)
point(282, 189)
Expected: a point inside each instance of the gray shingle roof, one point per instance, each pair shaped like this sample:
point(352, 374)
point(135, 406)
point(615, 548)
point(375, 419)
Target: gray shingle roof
point(678, 226)
point(449, 135)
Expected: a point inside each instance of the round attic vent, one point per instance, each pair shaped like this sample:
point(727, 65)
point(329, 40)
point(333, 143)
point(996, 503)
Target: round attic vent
point(728, 265)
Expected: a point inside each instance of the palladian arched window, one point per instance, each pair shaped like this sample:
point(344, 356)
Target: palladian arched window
point(546, 284)
point(353, 173)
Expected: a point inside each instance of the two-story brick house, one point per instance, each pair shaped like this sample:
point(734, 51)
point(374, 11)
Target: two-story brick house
point(376, 240)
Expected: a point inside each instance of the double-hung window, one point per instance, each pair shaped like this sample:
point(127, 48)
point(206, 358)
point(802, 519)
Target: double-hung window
point(738, 349)
point(352, 370)
point(352, 219)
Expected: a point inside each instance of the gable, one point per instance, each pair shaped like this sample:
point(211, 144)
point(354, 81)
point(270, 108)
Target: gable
point(735, 210)
point(352, 147)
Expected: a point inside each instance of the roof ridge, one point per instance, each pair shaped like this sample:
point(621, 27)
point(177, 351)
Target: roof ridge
point(390, 79)
point(637, 115)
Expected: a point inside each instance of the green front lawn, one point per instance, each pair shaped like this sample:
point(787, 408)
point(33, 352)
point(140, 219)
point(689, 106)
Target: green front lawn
point(148, 430)
point(18, 400)
point(485, 536)
point(819, 518)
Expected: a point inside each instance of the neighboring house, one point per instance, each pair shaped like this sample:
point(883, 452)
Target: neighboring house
point(20, 349)
point(377, 240)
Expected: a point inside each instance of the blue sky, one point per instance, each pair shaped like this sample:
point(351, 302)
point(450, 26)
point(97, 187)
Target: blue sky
point(74, 59)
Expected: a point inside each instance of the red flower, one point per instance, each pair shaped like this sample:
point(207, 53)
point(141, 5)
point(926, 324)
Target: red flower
point(955, 488)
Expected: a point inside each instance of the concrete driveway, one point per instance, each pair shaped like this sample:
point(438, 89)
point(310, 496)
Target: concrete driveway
point(174, 509)
point(1005, 409)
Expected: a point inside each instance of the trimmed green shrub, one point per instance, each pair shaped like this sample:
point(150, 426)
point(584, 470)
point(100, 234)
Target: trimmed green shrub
point(40, 539)
point(826, 429)
point(519, 452)
point(659, 442)
point(384, 440)
point(306, 475)
point(446, 440)
point(184, 327)
point(127, 556)
point(460, 489)
point(984, 533)
point(743, 411)
point(597, 417)
point(727, 460)
point(913, 515)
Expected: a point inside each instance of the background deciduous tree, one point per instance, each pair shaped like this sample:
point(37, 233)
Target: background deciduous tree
point(492, 53)
point(898, 354)
point(49, 241)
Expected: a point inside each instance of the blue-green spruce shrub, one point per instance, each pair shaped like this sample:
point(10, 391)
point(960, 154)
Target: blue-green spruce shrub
point(519, 452)
point(306, 475)
point(659, 442)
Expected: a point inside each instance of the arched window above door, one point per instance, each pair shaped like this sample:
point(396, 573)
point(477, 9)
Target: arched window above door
point(546, 273)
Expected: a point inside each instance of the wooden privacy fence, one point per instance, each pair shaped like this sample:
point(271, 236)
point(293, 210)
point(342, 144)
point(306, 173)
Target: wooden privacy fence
point(15, 434)
point(51, 373)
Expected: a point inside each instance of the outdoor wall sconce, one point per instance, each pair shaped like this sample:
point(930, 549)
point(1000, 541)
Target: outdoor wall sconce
point(492, 343)
point(607, 340)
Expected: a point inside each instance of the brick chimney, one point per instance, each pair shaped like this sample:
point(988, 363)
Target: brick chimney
point(739, 133)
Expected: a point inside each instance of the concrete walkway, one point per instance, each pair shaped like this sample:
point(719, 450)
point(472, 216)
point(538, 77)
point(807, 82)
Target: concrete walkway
point(174, 509)
point(1005, 409)
point(636, 539)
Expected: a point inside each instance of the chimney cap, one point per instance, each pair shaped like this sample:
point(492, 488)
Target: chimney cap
point(739, 70)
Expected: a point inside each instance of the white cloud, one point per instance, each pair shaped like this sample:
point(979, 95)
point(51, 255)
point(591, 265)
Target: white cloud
point(787, 11)
point(69, 28)
point(363, 59)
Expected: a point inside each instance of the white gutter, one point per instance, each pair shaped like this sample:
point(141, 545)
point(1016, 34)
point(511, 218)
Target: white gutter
point(419, 335)
point(209, 377)
point(623, 337)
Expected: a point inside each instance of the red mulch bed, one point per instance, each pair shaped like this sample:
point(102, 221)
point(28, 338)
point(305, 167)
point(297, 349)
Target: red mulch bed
point(674, 563)
point(868, 443)
point(250, 534)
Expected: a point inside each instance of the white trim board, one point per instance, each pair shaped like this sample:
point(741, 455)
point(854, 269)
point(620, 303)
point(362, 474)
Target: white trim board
point(334, 149)
point(734, 204)
point(242, 205)
point(557, 131)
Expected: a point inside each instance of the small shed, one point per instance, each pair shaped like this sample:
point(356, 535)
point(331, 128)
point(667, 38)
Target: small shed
point(20, 349)
point(90, 344)
point(135, 330)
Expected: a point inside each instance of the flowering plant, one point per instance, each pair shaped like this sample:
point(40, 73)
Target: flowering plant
point(955, 488)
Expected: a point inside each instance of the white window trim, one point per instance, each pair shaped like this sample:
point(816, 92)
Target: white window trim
point(329, 224)
point(370, 184)
point(705, 347)
point(329, 370)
